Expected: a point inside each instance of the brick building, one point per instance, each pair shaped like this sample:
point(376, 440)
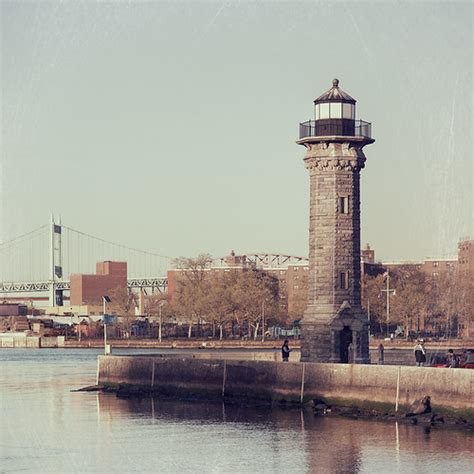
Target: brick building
point(13, 309)
point(438, 268)
point(466, 273)
point(89, 289)
point(466, 257)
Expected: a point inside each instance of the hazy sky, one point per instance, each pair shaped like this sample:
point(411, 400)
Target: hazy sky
point(171, 126)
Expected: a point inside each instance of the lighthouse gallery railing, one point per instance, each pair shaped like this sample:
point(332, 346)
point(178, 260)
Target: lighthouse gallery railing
point(314, 128)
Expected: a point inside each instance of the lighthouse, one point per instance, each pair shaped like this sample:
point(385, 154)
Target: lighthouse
point(334, 325)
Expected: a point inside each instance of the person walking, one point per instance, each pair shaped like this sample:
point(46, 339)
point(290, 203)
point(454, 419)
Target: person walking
point(285, 351)
point(420, 353)
point(453, 359)
point(381, 351)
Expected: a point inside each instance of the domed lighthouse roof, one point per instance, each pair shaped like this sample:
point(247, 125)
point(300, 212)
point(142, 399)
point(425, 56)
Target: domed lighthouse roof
point(335, 95)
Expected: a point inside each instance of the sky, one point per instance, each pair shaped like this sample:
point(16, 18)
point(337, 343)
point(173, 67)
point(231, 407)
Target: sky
point(171, 126)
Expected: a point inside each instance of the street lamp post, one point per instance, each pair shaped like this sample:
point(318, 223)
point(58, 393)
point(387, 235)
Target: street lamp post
point(105, 300)
point(388, 290)
point(388, 302)
point(368, 315)
point(160, 322)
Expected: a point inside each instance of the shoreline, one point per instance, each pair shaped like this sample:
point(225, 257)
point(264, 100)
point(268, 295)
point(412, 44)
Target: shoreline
point(354, 390)
point(439, 418)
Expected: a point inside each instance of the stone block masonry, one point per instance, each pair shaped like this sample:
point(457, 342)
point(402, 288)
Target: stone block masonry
point(334, 299)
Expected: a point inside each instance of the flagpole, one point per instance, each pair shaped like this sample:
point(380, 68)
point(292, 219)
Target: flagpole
point(105, 327)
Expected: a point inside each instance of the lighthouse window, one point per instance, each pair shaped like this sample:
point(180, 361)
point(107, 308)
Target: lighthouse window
point(344, 205)
point(348, 111)
point(316, 112)
point(324, 111)
point(344, 280)
point(336, 110)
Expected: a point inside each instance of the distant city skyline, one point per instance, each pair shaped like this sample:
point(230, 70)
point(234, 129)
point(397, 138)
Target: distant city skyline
point(172, 126)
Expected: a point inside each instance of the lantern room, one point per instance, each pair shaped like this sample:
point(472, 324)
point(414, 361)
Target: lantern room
point(334, 112)
point(334, 115)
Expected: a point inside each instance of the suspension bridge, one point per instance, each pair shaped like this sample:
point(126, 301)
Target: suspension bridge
point(39, 262)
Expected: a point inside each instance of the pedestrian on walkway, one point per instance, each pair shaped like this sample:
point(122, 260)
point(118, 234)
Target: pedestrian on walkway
point(381, 354)
point(285, 351)
point(420, 353)
point(453, 359)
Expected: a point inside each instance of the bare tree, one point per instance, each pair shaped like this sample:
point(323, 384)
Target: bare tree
point(373, 300)
point(412, 297)
point(254, 292)
point(188, 301)
point(452, 303)
point(219, 303)
point(124, 302)
point(157, 305)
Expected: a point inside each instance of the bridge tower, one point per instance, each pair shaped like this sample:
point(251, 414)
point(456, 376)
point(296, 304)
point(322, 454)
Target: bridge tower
point(334, 326)
point(55, 264)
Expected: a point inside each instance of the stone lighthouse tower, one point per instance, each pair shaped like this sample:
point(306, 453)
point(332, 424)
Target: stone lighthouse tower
point(334, 326)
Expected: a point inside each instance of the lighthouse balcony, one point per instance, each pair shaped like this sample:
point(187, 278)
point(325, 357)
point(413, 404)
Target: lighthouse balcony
point(335, 127)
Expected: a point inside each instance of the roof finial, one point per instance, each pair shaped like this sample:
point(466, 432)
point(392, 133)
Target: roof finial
point(335, 82)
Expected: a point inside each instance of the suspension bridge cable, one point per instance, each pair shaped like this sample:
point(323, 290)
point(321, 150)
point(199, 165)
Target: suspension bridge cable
point(24, 235)
point(21, 239)
point(119, 245)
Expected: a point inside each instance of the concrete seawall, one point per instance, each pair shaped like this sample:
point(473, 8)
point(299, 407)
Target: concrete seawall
point(23, 340)
point(344, 384)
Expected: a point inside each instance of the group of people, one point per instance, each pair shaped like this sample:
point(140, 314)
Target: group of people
point(419, 351)
point(420, 356)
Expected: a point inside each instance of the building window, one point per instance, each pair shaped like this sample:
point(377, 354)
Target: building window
point(295, 287)
point(344, 280)
point(435, 264)
point(435, 274)
point(344, 204)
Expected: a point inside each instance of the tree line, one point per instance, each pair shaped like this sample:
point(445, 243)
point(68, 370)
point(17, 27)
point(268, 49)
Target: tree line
point(420, 303)
point(242, 302)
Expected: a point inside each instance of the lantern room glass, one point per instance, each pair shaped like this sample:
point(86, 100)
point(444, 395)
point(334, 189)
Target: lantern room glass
point(334, 110)
point(348, 111)
point(323, 111)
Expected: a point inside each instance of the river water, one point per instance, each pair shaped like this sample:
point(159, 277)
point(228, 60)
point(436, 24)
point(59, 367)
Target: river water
point(46, 427)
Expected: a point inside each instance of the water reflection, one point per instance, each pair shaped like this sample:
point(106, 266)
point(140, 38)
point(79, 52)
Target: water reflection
point(324, 444)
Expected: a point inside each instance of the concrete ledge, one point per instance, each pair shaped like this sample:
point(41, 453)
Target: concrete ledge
point(292, 382)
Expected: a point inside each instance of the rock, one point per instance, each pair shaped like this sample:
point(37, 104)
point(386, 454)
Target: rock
point(420, 407)
point(318, 401)
point(90, 388)
point(436, 419)
point(321, 406)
